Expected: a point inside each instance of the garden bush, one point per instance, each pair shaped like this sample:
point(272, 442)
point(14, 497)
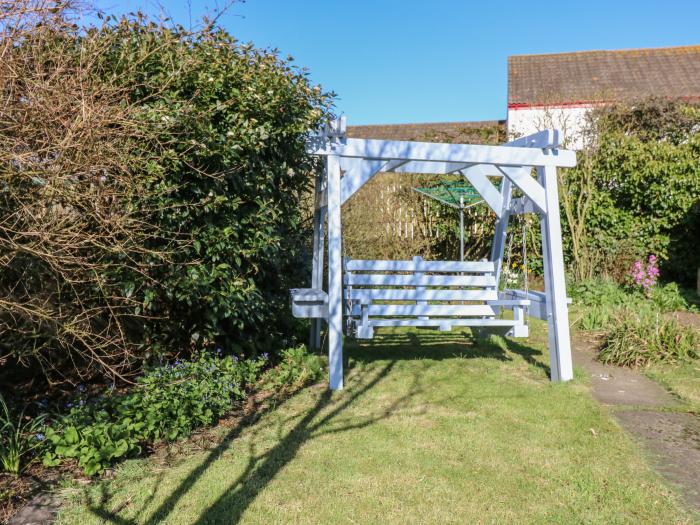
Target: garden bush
point(296, 368)
point(635, 191)
point(18, 438)
point(152, 187)
point(167, 402)
point(602, 300)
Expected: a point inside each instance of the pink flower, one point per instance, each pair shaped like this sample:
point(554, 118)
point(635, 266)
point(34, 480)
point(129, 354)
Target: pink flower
point(645, 275)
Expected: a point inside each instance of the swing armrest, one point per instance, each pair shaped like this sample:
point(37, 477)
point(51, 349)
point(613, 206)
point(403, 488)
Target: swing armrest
point(510, 302)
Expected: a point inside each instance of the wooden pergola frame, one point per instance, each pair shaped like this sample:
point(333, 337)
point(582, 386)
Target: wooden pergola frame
point(351, 163)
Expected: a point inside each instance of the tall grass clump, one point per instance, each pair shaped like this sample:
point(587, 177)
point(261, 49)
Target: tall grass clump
point(20, 438)
point(643, 337)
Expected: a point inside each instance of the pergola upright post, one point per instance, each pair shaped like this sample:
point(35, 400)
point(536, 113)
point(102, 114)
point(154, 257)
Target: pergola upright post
point(335, 275)
point(317, 268)
point(554, 279)
point(461, 227)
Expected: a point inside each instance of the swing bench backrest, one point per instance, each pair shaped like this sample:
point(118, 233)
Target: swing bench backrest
point(421, 293)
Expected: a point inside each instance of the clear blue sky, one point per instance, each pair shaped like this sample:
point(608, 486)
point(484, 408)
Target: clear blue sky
point(393, 61)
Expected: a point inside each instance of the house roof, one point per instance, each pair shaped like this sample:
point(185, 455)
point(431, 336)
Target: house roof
point(595, 76)
point(480, 132)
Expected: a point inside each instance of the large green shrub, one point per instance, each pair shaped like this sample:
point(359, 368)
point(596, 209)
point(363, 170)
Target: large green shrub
point(635, 191)
point(152, 182)
point(228, 153)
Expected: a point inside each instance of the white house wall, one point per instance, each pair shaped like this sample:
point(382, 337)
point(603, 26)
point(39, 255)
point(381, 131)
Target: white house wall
point(571, 120)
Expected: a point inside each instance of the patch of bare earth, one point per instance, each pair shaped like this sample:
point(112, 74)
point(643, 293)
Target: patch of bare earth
point(650, 414)
point(691, 319)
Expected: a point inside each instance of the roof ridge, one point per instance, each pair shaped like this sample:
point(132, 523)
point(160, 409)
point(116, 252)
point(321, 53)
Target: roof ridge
point(694, 47)
point(490, 121)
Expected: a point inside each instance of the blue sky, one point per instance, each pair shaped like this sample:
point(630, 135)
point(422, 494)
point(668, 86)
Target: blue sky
point(394, 61)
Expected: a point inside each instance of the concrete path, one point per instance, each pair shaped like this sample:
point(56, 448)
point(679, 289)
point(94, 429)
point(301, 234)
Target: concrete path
point(41, 510)
point(646, 410)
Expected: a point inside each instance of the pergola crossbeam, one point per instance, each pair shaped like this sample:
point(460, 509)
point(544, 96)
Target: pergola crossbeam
point(438, 152)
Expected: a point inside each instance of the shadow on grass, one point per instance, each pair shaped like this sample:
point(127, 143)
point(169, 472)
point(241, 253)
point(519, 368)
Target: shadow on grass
point(436, 345)
point(261, 468)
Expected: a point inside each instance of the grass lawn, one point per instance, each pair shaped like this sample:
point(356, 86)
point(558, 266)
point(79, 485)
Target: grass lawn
point(431, 428)
point(683, 380)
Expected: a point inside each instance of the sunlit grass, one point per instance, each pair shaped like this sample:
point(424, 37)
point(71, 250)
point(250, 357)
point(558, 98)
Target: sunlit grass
point(431, 428)
point(683, 380)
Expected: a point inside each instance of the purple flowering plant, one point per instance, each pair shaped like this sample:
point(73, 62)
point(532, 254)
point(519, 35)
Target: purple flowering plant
point(645, 274)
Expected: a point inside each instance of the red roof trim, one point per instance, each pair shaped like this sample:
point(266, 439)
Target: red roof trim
point(576, 104)
point(583, 103)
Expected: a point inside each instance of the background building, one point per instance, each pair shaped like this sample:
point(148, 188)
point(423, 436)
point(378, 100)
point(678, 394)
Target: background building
point(558, 90)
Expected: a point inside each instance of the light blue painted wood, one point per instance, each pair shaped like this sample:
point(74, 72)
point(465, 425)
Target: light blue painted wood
point(443, 322)
point(367, 295)
point(557, 308)
point(419, 274)
point(418, 310)
point(362, 159)
point(545, 139)
point(501, 231)
point(361, 172)
point(476, 175)
point(361, 279)
point(317, 262)
point(309, 303)
point(429, 151)
point(523, 179)
point(355, 265)
point(335, 279)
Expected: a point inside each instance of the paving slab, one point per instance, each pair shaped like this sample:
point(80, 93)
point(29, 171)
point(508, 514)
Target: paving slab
point(646, 410)
point(41, 510)
point(613, 385)
point(674, 442)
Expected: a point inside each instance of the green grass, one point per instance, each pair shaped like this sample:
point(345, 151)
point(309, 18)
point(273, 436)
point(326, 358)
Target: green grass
point(683, 380)
point(431, 428)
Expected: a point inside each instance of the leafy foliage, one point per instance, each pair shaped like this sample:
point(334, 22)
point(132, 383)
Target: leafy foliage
point(167, 403)
point(603, 300)
point(297, 368)
point(152, 186)
point(634, 190)
point(230, 123)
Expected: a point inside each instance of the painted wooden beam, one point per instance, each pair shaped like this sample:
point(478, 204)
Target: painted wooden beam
point(436, 152)
point(355, 265)
point(522, 205)
point(527, 184)
point(555, 285)
point(335, 277)
point(545, 139)
point(501, 233)
point(360, 173)
point(476, 175)
point(317, 262)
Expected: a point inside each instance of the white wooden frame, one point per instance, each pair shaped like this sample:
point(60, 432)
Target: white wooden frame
point(358, 160)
